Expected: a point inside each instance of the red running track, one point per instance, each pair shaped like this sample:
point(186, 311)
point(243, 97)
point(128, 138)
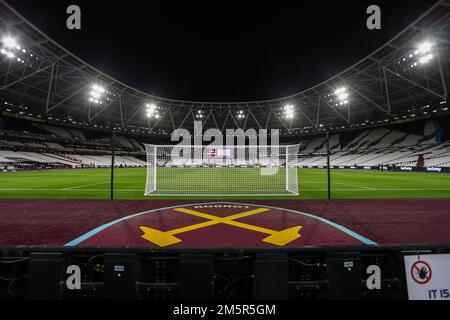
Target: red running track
point(73, 222)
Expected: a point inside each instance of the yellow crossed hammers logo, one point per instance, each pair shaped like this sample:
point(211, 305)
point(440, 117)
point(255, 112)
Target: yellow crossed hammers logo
point(167, 238)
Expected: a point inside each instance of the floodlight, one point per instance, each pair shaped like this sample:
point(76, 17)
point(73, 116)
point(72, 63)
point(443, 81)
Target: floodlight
point(150, 107)
point(151, 111)
point(9, 42)
point(425, 59)
point(340, 91)
point(289, 111)
point(343, 96)
point(9, 54)
point(425, 47)
point(95, 94)
point(98, 88)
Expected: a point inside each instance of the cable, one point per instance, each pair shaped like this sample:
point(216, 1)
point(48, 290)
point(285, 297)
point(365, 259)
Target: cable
point(218, 276)
point(13, 281)
point(87, 263)
point(233, 258)
point(6, 279)
point(14, 261)
point(304, 263)
point(234, 281)
point(94, 257)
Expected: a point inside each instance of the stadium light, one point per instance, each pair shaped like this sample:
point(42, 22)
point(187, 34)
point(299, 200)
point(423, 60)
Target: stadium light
point(420, 56)
point(10, 54)
point(11, 49)
point(289, 111)
point(151, 111)
point(98, 88)
point(96, 94)
point(342, 96)
point(424, 47)
point(7, 53)
point(425, 59)
point(240, 114)
point(9, 42)
point(200, 114)
point(424, 52)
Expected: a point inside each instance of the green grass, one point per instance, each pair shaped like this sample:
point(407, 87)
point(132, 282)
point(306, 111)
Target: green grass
point(130, 184)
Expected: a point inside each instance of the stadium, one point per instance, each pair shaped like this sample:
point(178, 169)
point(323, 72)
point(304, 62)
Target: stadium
point(350, 173)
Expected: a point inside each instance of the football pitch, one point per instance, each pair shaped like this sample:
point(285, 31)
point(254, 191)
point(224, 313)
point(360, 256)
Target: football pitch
point(129, 183)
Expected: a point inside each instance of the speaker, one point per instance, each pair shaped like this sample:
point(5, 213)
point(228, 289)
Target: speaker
point(344, 276)
point(196, 277)
point(46, 275)
point(120, 276)
point(271, 277)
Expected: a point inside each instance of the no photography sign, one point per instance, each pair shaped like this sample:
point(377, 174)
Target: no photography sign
point(428, 277)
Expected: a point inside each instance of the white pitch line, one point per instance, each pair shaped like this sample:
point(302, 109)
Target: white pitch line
point(61, 190)
point(340, 189)
point(343, 184)
point(86, 185)
point(352, 185)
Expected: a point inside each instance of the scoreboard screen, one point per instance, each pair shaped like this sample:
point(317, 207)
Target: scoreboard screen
point(220, 153)
point(224, 153)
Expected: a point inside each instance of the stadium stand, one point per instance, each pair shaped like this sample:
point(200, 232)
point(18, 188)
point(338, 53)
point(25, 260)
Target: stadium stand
point(390, 146)
point(380, 147)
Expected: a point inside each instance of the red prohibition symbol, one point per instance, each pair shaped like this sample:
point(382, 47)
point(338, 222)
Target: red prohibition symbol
point(421, 272)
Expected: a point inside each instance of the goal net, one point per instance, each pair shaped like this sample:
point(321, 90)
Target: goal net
point(221, 170)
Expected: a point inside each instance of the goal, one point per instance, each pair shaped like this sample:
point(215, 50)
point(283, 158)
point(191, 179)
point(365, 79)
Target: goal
point(185, 170)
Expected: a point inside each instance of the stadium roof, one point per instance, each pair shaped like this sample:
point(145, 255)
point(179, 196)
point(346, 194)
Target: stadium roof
point(41, 79)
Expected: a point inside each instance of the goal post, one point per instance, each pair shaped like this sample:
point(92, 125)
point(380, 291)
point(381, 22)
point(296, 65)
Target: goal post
point(150, 186)
point(186, 170)
point(291, 165)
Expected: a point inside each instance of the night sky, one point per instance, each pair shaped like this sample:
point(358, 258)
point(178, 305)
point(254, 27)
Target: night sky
point(221, 50)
